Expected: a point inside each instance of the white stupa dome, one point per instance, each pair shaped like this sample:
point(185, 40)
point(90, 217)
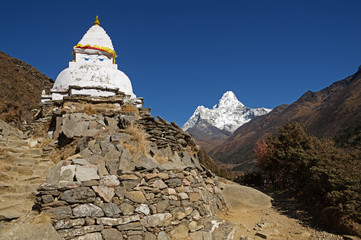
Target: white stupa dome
point(93, 72)
point(97, 38)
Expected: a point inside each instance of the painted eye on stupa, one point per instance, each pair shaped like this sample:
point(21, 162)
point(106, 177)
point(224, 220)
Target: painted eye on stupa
point(86, 59)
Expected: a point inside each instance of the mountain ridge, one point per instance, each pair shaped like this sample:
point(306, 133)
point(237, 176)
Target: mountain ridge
point(20, 89)
point(209, 126)
point(325, 113)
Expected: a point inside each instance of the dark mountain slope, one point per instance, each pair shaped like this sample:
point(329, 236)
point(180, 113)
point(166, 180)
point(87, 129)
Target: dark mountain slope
point(326, 113)
point(20, 89)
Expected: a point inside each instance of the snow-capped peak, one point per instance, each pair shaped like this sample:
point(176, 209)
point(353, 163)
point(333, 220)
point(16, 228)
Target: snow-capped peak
point(228, 99)
point(227, 115)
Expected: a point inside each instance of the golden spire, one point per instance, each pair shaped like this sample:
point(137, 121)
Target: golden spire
point(96, 22)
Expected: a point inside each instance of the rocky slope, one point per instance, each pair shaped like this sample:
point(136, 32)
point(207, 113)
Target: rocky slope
point(209, 126)
point(20, 89)
point(326, 113)
point(123, 174)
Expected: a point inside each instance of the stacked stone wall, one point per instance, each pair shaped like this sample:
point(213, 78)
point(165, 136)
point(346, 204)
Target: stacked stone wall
point(143, 183)
point(139, 205)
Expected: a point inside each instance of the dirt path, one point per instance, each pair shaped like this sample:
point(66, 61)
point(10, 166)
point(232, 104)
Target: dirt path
point(256, 218)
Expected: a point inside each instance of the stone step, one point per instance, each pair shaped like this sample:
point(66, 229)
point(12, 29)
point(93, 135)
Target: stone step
point(15, 208)
point(26, 161)
point(6, 188)
point(21, 188)
point(26, 150)
point(16, 197)
point(22, 170)
point(6, 176)
point(12, 143)
point(30, 179)
point(12, 154)
point(41, 172)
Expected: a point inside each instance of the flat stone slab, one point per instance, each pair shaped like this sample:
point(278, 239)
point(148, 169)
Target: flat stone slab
point(237, 196)
point(86, 173)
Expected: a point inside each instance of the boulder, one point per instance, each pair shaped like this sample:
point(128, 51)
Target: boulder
point(37, 227)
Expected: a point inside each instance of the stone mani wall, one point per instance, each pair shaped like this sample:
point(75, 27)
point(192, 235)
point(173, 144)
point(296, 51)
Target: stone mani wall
point(117, 188)
point(140, 205)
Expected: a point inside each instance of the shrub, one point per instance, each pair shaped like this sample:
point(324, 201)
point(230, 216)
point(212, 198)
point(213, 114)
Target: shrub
point(314, 168)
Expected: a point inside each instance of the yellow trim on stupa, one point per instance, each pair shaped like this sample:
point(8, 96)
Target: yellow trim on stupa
point(96, 22)
point(111, 51)
point(108, 50)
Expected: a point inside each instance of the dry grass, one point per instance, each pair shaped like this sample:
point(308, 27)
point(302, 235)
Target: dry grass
point(128, 108)
point(139, 137)
point(88, 109)
point(160, 158)
point(65, 152)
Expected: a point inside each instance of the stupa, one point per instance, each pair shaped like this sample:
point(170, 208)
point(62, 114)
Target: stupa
point(93, 71)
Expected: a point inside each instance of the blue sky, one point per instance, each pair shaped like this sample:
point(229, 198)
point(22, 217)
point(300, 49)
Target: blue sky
point(180, 53)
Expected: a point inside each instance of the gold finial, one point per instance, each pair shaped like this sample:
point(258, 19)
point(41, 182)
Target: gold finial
point(96, 22)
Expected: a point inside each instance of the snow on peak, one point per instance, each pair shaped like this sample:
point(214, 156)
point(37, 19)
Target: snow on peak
point(228, 100)
point(227, 115)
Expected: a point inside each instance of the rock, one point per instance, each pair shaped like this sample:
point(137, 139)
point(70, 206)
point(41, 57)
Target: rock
point(67, 173)
point(111, 209)
point(194, 197)
point(120, 192)
point(187, 160)
point(102, 171)
point(159, 184)
point(201, 235)
point(146, 163)
point(183, 195)
point(54, 173)
point(126, 162)
point(107, 147)
point(174, 182)
point(112, 166)
point(90, 236)
point(133, 226)
point(86, 173)
point(267, 233)
point(111, 234)
point(59, 212)
point(225, 230)
point(110, 181)
point(136, 196)
point(181, 233)
point(106, 193)
point(47, 198)
point(81, 162)
point(159, 219)
point(135, 237)
point(149, 236)
point(73, 232)
point(69, 223)
point(162, 205)
point(117, 221)
point(163, 175)
point(129, 184)
point(237, 196)
point(88, 210)
point(143, 208)
point(195, 215)
point(171, 191)
point(78, 195)
point(31, 228)
point(127, 209)
point(163, 236)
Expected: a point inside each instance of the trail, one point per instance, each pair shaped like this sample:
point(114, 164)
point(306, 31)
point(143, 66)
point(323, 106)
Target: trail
point(256, 218)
